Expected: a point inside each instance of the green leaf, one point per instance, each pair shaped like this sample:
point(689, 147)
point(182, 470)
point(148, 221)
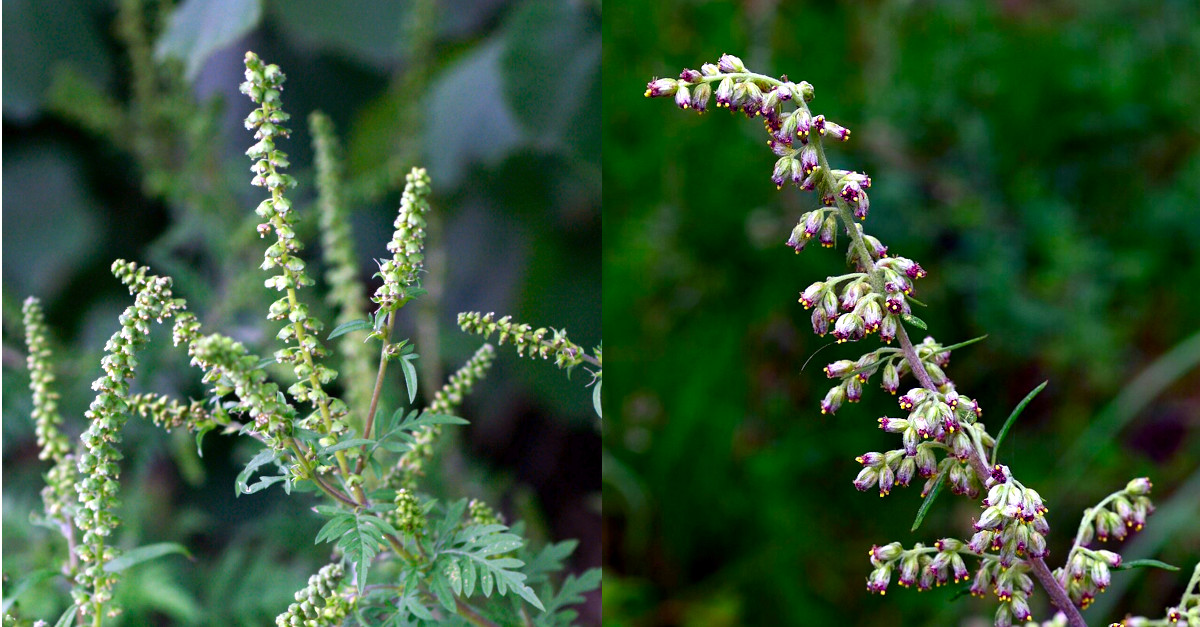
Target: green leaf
point(265, 483)
point(200, 436)
point(200, 28)
point(263, 458)
point(596, 399)
point(68, 618)
point(410, 378)
point(25, 583)
point(264, 362)
point(962, 344)
point(928, 502)
point(1013, 417)
point(345, 444)
point(144, 554)
point(346, 327)
point(481, 547)
point(1146, 564)
point(915, 321)
point(570, 593)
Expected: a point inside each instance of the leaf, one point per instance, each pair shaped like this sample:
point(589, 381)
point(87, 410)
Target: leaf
point(265, 483)
point(596, 399)
point(345, 444)
point(1146, 564)
point(915, 321)
point(962, 344)
point(347, 327)
point(928, 502)
point(410, 378)
point(571, 593)
point(264, 362)
point(199, 437)
point(427, 419)
point(481, 547)
point(1013, 417)
point(68, 618)
point(200, 28)
point(263, 458)
point(25, 583)
point(144, 554)
point(360, 541)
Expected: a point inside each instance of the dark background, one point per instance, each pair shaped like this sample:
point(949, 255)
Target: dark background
point(499, 100)
point(1040, 159)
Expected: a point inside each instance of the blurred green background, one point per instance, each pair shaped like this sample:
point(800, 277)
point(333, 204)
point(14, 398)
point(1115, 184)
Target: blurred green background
point(1041, 160)
point(123, 138)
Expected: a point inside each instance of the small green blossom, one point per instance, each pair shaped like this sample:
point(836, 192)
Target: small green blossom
point(319, 604)
point(407, 244)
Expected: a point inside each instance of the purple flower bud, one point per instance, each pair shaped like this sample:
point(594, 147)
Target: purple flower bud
point(690, 76)
point(730, 64)
point(1020, 608)
point(862, 207)
point(752, 105)
point(980, 542)
point(909, 566)
point(854, 389)
point(811, 293)
point(896, 304)
point(724, 93)
point(854, 291)
point(833, 400)
point(683, 97)
point(710, 69)
point(1100, 574)
point(887, 330)
point(983, 581)
point(891, 377)
point(798, 238)
point(809, 182)
point(886, 553)
point(820, 322)
point(872, 459)
point(887, 479)
point(812, 221)
point(700, 96)
point(836, 131)
point(804, 90)
point(808, 159)
point(893, 425)
point(661, 87)
point(839, 368)
point(879, 579)
point(829, 303)
point(872, 314)
point(1139, 487)
point(851, 192)
point(787, 129)
point(828, 231)
point(783, 167)
point(866, 479)
point(875, 246)
point(908, 468)
point(927, 579)
point(848, 328)
point(1037, 545)
point(926, 461)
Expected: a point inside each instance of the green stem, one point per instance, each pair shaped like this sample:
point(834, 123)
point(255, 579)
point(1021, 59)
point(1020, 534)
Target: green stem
point(378, 391)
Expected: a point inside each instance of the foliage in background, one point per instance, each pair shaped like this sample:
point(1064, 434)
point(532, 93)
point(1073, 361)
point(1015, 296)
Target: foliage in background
point(1017, 144)
point(160, 162)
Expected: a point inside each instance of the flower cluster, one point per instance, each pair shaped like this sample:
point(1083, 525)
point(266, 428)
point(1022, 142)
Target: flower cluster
point(408, 517)
point(445, 401)
point(169, 413)
point(407, 242)
point(318, 604)
point(877, 297)
point(99, 473)
point(52, 444)
point(337, 246)
point(231, 369)
point(263, 85)
point(1087, 571)
point(58, 495)
point(528, 340)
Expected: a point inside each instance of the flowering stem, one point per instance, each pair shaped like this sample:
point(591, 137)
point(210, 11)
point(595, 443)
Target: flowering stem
point(1058, 596)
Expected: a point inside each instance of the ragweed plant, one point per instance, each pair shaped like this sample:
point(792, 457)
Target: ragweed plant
point(943, 437)
point(399, 555)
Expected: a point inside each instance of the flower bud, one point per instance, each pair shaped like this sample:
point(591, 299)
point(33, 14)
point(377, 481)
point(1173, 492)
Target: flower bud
point(730, 64)
point(833, 400)
point(1138, 487)
point(724, 92)
point(839, 368)
point(683, 96)
point(690, 76)
point(700, 96)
